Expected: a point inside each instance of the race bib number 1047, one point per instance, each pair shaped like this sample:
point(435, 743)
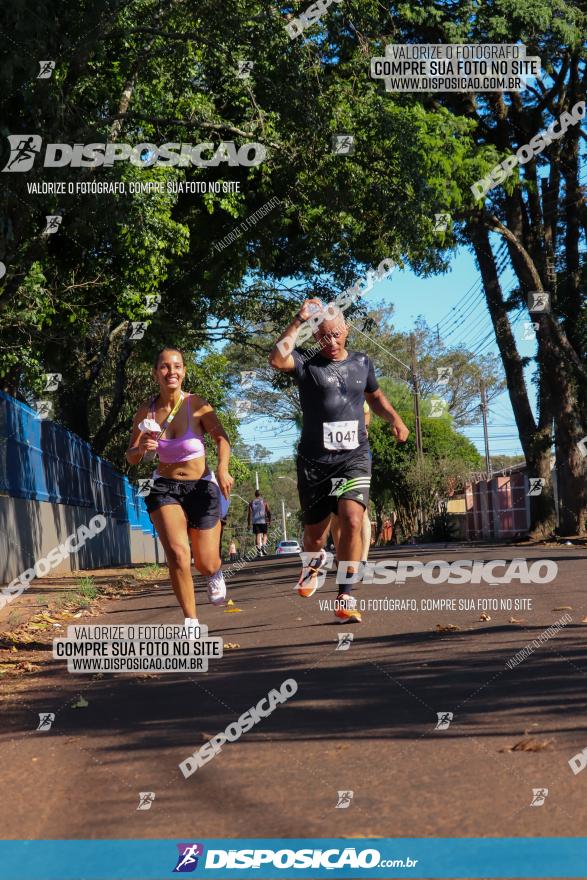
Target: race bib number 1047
point(341, 435)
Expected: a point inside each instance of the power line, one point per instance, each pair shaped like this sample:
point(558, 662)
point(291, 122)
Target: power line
point(450, 319)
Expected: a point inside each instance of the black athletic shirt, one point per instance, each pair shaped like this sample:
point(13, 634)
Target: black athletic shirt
point(333, 391)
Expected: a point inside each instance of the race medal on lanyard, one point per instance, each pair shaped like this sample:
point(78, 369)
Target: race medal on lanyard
point(150, 456)
point(341, 435)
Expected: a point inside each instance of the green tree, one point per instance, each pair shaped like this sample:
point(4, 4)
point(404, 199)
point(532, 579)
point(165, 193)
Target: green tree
point(157, 71)
point(408, 485)
point(538, 214)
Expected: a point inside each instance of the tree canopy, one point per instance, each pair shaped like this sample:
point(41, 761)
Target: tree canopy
point(156, 72)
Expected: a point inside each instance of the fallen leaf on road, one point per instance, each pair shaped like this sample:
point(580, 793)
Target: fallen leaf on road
point(230, 602)
point(50, 618)
point(513, 620)
point(563, 608)
point(530, 745)
point(80, 704)
point(584, 620)
point(124, 583)
point(232, 610)
point(14, 639)
point(484, 616)
point(228, 646)
point(449, 628)
point(17, 666)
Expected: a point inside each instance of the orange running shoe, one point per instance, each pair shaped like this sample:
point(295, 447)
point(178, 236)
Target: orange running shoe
point(308, 582)
point(346, 608)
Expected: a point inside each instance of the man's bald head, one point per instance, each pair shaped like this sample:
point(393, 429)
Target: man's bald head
point(331, 333)
point(332, 320)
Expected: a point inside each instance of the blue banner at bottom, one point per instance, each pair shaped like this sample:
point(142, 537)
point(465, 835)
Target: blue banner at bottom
point(296, 857)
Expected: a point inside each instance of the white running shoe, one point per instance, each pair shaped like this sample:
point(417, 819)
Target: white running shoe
point(346, 608)
point(311, 570)
point(192, 627)
point(216, 588)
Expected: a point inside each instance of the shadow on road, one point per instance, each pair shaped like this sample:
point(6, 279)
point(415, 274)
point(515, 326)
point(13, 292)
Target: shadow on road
point(389, 686)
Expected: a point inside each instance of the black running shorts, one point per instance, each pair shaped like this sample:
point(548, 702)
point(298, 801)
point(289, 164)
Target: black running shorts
point(199, 499)
point(259, 528)
point(321, 485)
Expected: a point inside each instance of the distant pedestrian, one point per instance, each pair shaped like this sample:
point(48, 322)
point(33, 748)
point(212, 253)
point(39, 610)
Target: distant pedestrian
point(232, 552)
point(259, 517)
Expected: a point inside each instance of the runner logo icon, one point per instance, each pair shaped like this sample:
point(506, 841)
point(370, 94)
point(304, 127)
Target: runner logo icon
point(187, 859)
point(444, 719)
point(146, 799)
point(539, 795)
point(344, 799)
point(344, 641)
point(23, 150)
point(46, 68)
point(46, 719)
point(324, 561)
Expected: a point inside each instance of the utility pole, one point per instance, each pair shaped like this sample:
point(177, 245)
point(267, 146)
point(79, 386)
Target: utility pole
point(256, 480)
point(484, 409)
point(283, 519)
point(416, 387)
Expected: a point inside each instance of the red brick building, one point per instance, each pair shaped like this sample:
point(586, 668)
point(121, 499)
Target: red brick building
point(500, 507)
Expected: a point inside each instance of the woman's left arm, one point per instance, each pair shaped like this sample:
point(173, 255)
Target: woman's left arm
point(213, 426)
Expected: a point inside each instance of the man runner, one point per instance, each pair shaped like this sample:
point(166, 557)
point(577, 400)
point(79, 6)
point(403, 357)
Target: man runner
point(333, 464)
point(366, 528)
point(260, 516)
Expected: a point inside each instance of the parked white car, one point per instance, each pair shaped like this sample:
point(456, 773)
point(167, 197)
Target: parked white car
point(288, 548)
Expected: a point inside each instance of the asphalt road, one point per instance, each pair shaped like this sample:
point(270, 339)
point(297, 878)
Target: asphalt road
point(363, 719)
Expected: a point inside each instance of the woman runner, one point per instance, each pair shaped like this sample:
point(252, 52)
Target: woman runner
point(184, 503)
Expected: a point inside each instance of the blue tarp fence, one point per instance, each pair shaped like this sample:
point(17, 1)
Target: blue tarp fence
point(42, 460)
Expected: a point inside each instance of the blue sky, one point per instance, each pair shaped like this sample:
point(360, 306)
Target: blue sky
point(456, 302)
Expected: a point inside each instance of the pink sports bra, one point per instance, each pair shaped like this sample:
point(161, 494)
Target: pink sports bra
point(189, 445)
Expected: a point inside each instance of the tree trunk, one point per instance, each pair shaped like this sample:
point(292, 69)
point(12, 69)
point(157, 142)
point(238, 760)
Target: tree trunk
point(73, 408)
point(536, 440)
point(104, 432)
point(571, 470)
